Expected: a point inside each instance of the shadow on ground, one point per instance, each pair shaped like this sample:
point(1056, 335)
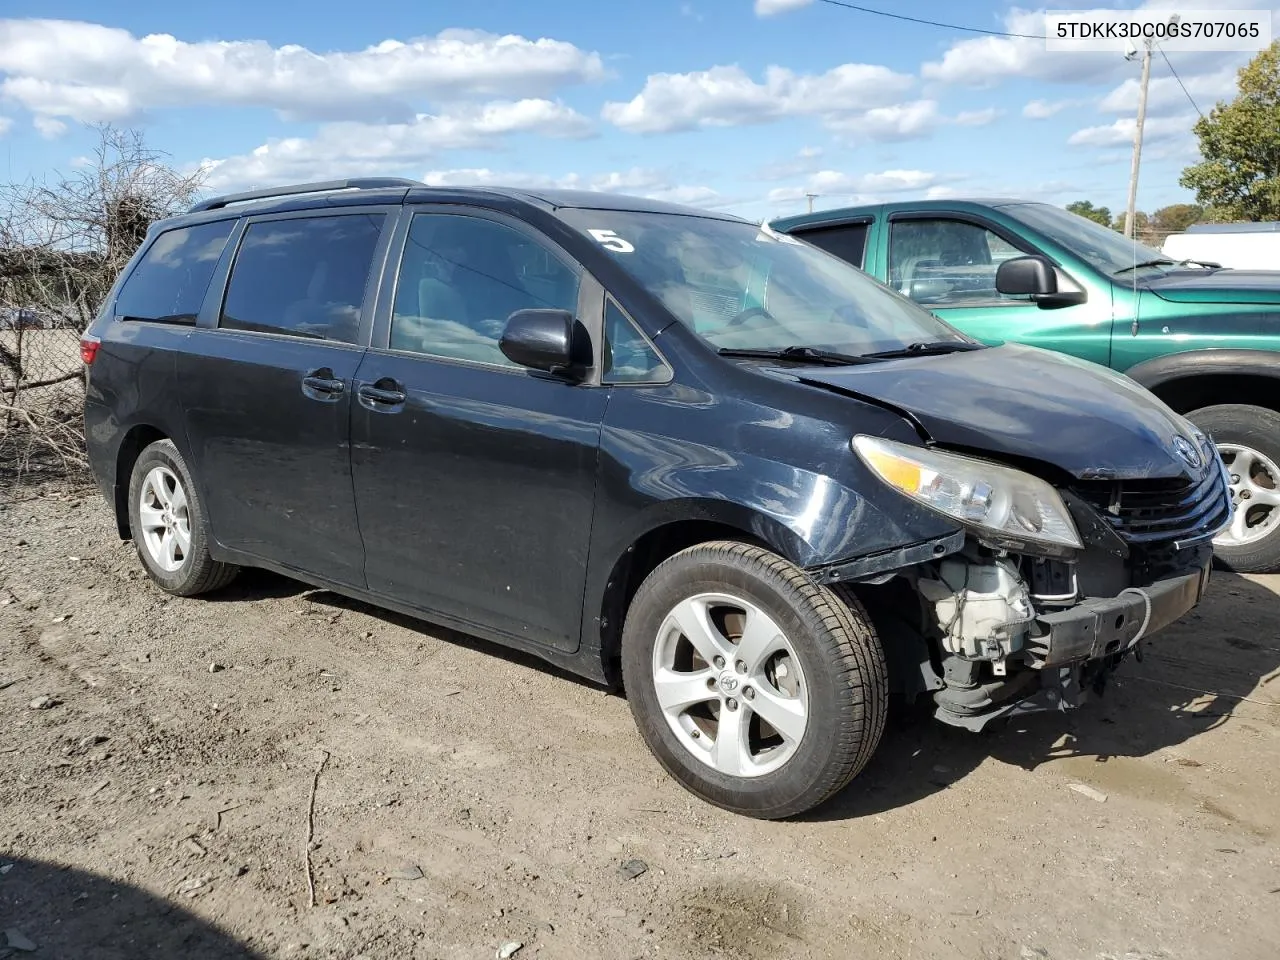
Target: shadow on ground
point(257, 584)
point(1191, 679)
point(52, 911)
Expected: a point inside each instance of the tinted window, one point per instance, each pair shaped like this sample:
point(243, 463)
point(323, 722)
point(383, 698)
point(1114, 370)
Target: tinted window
point(461, 277)
point(740, 285)
point(630, 358)
point(1104, 248)
point(171, 279)
point(947, 262)
point(847, 242)
point(305, 277)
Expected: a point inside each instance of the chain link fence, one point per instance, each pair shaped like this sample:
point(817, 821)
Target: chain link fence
point(41, 398)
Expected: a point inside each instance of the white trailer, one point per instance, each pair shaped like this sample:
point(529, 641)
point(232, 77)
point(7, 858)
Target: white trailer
point(1241, 246)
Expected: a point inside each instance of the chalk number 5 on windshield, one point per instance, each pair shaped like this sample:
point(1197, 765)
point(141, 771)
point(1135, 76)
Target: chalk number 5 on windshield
point(611, 241)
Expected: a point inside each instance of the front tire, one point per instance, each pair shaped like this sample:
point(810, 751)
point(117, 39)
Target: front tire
point(1248, 438)
point(757, 689)
point(169, 526)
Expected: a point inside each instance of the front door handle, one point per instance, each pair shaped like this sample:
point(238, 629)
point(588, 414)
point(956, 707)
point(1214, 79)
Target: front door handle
point(322, 385)
point(381, 396)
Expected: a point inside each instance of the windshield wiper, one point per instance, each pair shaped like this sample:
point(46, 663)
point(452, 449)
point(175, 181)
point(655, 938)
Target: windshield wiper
point(795, 354)
point(925, 349)
point(1161, 261)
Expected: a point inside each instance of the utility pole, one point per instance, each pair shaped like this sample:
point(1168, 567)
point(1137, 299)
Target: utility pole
point(1137, 140)
point(811, 197)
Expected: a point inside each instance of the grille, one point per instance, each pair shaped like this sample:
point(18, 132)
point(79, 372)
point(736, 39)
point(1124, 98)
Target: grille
point(1154, 511)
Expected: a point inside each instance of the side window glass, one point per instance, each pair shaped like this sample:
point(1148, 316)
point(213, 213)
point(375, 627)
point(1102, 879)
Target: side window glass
point(629, 358)
point(947, 262)
point(305, 277)
point(171, 280)
point(460, 279)
point(848, 242)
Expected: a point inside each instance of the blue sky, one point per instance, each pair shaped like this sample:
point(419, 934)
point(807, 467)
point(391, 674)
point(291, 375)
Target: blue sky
point(740, 104)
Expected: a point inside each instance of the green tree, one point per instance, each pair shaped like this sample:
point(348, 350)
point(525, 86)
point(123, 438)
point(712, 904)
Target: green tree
point(1085, 208)
point(1176, 217)
point(1239, 177)
point(1141, 223)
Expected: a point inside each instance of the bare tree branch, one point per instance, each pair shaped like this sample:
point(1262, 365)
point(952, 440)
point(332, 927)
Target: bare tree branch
point(63, 241)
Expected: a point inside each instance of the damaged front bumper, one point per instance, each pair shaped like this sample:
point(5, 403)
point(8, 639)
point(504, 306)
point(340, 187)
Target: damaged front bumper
point(1070, 652)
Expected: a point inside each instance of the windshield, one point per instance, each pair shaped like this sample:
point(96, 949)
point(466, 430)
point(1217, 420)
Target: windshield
point(1103, 248)
point(740, 286)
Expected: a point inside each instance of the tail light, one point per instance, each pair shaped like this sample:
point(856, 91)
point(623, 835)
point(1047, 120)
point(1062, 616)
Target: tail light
point(89, 348)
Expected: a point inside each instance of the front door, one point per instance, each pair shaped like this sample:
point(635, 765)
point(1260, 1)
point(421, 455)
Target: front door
point(475, 478)
point(267, 393)
point(948, 265)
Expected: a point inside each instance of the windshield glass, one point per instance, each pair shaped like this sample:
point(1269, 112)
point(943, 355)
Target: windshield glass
point(740, 286)
point(1103, 248)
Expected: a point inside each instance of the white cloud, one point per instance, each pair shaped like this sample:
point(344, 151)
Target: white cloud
point(49, 128)
point(638, 181)
point(114, 75)
point(1044, 109)
point(6, 124)
point(1165, 95)
point(725, 96)
point(767, 8)
point(986, 61)
point(977, 118)
point(912, 120)
point(903, 121)
point(861, 187)
point(1121, 131)
point(805, 161)
point(688, 10)
point(357, 149)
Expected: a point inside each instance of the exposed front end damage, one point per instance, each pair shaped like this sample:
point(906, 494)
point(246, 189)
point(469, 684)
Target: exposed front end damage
point(990, 632)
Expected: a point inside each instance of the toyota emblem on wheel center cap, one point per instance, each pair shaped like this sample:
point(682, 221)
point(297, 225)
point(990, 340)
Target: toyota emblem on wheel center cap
point(728, 682)
point(1187, 451)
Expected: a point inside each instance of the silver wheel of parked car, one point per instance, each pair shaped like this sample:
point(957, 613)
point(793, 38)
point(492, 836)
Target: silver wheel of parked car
point(169, 526)
point(165, 520)
point(1255, 491)
point(730, 685)
point(1248, 440)
point(755, 687)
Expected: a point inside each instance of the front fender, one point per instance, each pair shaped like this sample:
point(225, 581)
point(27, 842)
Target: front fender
point(1208, 362)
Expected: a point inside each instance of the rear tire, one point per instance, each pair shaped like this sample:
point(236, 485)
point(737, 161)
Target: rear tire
point(169, 526)
point(729, 637)
point(1248, 438)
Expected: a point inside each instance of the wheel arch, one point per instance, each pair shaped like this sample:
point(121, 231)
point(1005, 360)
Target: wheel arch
point(1192, 379)
point(136, 439)
point(676, 527)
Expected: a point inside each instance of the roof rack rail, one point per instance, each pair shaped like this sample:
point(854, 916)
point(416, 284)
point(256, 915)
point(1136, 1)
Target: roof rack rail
point(322, 186)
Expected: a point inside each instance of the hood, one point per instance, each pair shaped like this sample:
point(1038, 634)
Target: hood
point(1023, 402)
point(1217, 286)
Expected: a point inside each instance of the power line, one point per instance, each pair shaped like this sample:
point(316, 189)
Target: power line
point(1180, 83)
point(932, 23)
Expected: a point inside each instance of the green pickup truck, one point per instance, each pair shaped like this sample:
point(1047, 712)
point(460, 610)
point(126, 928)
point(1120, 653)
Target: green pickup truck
point(1206, 340)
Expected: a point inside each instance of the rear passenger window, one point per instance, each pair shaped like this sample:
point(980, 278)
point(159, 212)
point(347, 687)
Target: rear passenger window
point(630, 357)
point(462, 277)
point(848, 242)
point(304, 276)
point(171, 279)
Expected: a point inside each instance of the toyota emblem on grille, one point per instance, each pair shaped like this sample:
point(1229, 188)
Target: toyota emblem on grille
point(1187, 451)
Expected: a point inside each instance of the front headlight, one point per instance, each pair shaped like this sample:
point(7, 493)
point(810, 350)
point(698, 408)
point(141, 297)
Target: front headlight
point(1005, 502)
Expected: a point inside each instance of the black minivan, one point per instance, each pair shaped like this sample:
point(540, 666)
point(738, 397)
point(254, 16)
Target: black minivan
point(656, 446)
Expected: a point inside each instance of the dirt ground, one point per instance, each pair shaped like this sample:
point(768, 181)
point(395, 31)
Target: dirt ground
point(158, 756)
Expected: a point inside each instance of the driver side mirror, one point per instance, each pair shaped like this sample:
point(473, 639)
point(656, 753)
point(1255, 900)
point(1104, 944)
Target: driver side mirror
point(1027, 276)
point(548, 340)
point(1036, 276)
